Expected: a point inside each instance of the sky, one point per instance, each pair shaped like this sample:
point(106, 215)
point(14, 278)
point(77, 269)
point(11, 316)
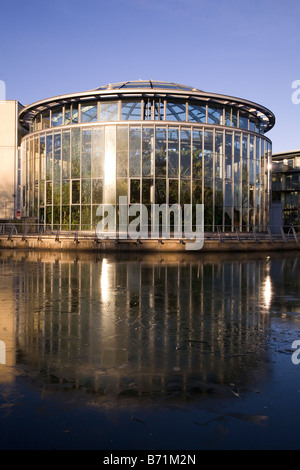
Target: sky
point(245, 49)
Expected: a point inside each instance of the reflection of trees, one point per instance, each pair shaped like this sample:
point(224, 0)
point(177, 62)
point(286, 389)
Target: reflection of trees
point(160, 160)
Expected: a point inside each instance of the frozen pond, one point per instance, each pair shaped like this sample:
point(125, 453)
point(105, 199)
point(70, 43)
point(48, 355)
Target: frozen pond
point(149, 351)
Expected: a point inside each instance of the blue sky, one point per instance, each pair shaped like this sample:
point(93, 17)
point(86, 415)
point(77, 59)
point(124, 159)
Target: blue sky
point(236, 47)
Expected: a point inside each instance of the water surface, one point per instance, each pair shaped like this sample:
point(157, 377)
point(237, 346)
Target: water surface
point(149, 351)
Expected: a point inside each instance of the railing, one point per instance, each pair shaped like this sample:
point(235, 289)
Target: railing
point(257, 234)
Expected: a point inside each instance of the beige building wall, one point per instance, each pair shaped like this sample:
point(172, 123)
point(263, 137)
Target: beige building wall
point(8, 157)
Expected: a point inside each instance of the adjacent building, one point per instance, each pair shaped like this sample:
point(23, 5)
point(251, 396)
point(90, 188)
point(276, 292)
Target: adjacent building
point(286, 185)
point(10, 140)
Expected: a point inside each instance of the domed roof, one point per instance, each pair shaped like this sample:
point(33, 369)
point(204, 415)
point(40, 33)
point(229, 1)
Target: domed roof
point(146, 84)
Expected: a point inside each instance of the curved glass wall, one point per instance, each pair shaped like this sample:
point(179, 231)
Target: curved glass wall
point(194, 154)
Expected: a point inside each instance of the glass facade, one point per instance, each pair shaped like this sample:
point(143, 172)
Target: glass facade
point(152, 150)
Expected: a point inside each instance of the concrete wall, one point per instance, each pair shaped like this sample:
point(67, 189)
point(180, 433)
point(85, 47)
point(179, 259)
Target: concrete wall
point(8, 157)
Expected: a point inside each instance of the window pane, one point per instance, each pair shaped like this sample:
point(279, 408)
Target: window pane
point(49, 215)
point(66, 146)
point(173, 152)
point(65, 217)
point(148, 151)
point(57, 155)
point(219, 154)
point(252, 124)
point(89, 112)
point(227, 116)
point(97, 191)
point(234, 117)
point(245, 157)
point(131, 110)
point(57, 117)
point(38, 122)
point(85, 217)
point(185, 153)
point(75, 153)
point(147, 191)
point(160, 191)
point(56, 192)
point(74, 113)
point(135, 186)
point(49, 156)
point(46, 119)
point(86, 153)
point(66, 192)
point(160, 152)
point(185, 192)
point(56, 215)
point(159, 110)
point(243, 120)
point(197, 192)
point(122, 151)
point(86, 191)
point(75, 192)
point(135, 151)
point(197, 112)
point(97, 164)
point(148, 106)
point(49, 192)
point(215, 114)
point(75, 217)
point(173, 192)
point(237, 157)
point(208, 158)
point(228, 155)
point(121, 187)
point(109, 111)
point(176, 111)
point(67, 115)
point(197, 154)
point(42, 157)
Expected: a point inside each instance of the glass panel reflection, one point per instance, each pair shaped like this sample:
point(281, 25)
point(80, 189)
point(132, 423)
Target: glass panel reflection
point(131, 110)
point(176, 111)
point(89, 112)
point(215, 114)
point(57, 117)
point(196, 112)
point(109, 111)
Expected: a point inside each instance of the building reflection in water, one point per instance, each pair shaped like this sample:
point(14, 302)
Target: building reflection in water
point(142, 325)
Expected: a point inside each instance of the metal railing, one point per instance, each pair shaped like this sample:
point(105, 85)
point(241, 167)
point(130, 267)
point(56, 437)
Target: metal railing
point(24, 231)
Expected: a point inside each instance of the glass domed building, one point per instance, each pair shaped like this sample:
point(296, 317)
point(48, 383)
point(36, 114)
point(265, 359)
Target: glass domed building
point(154, 142)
